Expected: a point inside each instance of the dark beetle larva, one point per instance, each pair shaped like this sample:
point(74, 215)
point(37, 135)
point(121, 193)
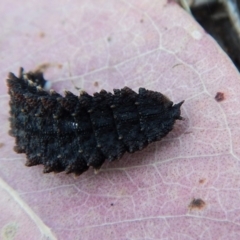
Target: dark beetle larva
point(72, 133)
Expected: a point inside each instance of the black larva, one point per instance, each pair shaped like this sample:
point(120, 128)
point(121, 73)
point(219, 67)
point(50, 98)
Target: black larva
point(72, 133)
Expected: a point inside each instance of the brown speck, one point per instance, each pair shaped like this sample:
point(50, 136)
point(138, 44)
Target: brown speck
point(42, 67)
point(112, 204)
point(188, 132)
point(202, 180)
point(219, 97)
point(197, 204)
point(41, 34)
point(109, 39)
point(96, 84)
point(1, 145)
point(141, 21)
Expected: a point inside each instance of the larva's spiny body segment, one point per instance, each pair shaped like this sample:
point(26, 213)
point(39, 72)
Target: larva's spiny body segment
point(73, 133)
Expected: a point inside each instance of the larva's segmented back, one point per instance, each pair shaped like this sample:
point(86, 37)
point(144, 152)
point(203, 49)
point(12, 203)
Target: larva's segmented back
point(72, 133)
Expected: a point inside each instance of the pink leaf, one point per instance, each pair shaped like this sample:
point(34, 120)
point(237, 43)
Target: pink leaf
point(184, 187)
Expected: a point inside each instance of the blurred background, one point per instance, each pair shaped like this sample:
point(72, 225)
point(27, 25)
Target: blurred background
point(221, 19)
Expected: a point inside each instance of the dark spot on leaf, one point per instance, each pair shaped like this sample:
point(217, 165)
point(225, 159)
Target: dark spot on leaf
point(197, 203)
point(219, 97)
point(178, 64)
point(41, 34)
point(77, 88)
point(96, 84)
point(109, 39)
point(1, 145)
point(141, 21)
point(60, 66)
point(202, 180)
point(112, 204)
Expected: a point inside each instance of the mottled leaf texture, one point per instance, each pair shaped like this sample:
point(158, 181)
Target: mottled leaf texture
point(184, 187)
point(73, 133)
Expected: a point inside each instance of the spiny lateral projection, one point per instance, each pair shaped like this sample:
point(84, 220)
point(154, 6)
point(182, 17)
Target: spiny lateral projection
point(73, 133)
